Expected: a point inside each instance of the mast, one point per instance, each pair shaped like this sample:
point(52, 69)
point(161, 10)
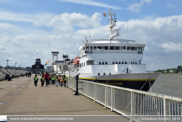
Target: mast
point(112, 22)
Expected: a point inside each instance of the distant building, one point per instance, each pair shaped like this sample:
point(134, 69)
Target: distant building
point(37, 67)
point(29, 69)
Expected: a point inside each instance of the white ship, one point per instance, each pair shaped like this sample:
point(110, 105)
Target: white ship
point(113, 61)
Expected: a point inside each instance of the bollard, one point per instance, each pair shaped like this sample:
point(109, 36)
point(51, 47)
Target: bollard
point(77, 78)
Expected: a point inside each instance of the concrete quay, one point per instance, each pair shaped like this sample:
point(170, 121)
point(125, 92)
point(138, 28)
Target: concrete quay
point(21, 97)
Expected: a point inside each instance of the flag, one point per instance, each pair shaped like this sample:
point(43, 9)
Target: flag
point(47, 62)
point(104, 14)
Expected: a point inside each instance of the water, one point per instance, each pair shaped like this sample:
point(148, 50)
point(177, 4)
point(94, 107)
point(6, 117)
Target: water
point(168, 84)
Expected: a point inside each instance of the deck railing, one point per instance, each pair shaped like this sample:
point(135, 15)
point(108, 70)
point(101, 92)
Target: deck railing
point(129, 102)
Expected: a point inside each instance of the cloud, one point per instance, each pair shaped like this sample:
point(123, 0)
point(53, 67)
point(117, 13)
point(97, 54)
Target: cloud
point(170, 5)
point(170, 46)
point(91, 3)
point(137, 6)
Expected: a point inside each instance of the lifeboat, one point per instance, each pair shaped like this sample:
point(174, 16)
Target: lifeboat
point(76, 61)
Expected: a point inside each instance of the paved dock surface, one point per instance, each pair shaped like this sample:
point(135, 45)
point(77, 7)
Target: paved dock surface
point(21, 97)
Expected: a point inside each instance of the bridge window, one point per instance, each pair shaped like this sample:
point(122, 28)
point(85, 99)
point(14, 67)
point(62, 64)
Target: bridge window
point(138, 48)
point(91, 48)
point(105, 48)
point(135, 48)
point(105, 62)
point(111, 47)
point(135, 62)
point(112, 62)
point(98, 73)
point(87, 48)
point(142, 48)
point(128, 48)
point(131, 62)
point(122, 62)
point(119, 62)
point(117, 48)
point(132, 48)
point(102, 63)
point(99, 63)
point(104, 73)
point(95, 48)
point(125, 62)
point(116, 62)
point(99, 48)
point(123, 47)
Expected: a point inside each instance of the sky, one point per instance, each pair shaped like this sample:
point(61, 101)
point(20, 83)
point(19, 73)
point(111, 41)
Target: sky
point(28, 27)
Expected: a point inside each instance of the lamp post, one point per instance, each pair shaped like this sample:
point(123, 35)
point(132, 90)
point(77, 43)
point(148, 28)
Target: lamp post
point(7, 62)
point(15, 69)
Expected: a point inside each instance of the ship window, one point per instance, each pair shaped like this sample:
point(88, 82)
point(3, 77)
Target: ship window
point(122, 62)
point(142, 48)
point(109, 73)
point(119, 62)
point(98, 73)
point(104, 73)
point(105, 62)
point(99, 63)
point(90, 62)
point(116, 62)
point(95, 48)
point(136, 62)
point(131, 62)
point(117, 48)
point(111, 47)
point(132, 48)
point(124, 47)
point(99, 48)
point(138, 48)
point(105, 48)
point(125, 62)
point(128, 48)
point(102, 62)
point(87, 48)
point(135, 48)
point(91, 48)
point(112, 62)
point(84, 64)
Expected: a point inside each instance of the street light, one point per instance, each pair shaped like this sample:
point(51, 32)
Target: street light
point(15, 69)
point(7, 62)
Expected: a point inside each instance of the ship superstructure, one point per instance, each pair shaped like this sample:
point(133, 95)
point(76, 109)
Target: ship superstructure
point(113, 61)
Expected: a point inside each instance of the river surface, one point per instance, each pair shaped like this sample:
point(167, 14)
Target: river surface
point(168, 84)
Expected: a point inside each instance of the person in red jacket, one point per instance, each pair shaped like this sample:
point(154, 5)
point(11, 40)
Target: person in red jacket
point(46, 77)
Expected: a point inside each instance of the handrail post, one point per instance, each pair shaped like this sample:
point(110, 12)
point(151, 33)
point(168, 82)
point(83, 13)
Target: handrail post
point(164, 105)
point(87, 89)
point(131, 106)
point(105, 96)
point(94, 92)
point(111, 99)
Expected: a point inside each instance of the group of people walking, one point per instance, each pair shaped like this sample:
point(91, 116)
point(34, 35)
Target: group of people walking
point(51, 79)
point(28, 74)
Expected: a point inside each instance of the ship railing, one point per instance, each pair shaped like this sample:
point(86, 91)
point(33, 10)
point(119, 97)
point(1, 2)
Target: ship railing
point(140, 41)
point(134, 104)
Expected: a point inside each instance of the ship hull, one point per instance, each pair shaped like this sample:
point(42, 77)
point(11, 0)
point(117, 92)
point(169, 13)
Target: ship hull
point(138, 81)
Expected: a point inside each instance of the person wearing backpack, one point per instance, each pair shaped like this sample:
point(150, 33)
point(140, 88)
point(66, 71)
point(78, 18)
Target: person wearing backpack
point(53, 79)
point(42, 80)
point(64, 81)
point(36, 80)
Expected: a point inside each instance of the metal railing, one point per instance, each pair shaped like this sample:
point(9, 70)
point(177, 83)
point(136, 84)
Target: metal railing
point(129, 102)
